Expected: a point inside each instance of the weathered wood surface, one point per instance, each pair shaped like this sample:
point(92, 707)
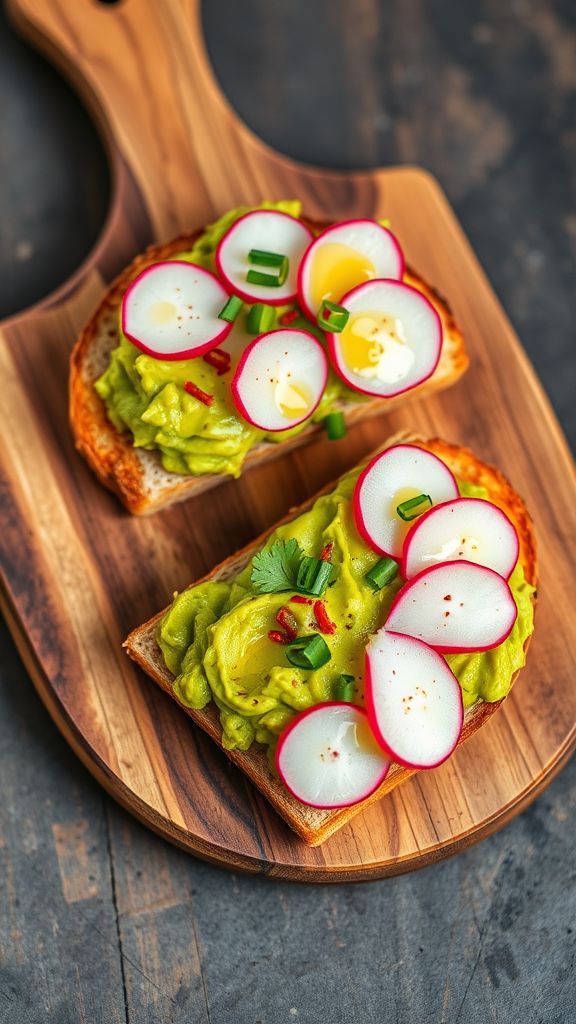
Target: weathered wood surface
point(487, 936)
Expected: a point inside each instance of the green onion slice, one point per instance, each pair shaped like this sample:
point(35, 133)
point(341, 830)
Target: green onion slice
point(267, 280)
point(414, 507)
point(230, 310)
point(261, 318)
point(332, 317)
point(262, 258)
point(314, 575)
point(309, 652)
point(344, 687)
point(275, 260)
point(335, 425)
point(382, 573)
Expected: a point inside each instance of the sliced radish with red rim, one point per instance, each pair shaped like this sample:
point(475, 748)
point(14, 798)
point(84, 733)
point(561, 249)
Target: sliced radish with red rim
point(280, 379)
point(271, 232)
point(455, 606)
point(396, 475)
point(391, 341)
point(414, 700)
point(328, 757)
point(170, 311)
point(343, 256)
point(468, 528)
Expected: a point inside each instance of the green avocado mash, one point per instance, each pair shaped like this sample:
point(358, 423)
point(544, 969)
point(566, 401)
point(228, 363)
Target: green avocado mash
point(146, 395)
point(214, 637)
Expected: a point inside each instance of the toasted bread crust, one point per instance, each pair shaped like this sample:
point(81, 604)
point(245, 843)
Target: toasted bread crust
point(135, 474)
point(314, 826)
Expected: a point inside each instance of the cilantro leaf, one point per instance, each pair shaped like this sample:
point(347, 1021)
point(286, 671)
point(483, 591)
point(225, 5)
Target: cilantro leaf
point(276, 568)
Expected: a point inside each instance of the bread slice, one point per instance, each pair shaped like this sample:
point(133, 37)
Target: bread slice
point(136, 474)
point(311, 824)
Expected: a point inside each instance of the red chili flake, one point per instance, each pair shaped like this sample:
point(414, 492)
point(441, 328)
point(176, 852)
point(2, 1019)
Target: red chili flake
point(277, 637)
point(327, 552)
point(285, 619)
point(289, 317)
point(325, 624)
point(300, 599)
point(197, 392)
point(219, 360)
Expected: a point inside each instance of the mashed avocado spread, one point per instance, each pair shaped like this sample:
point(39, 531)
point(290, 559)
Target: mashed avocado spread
point(146, 395)
point(214, 637)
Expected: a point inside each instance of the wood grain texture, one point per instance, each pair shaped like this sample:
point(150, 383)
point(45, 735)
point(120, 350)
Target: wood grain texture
point(79, 574)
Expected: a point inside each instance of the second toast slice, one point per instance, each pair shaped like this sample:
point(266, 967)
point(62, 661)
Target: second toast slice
point(311, 824)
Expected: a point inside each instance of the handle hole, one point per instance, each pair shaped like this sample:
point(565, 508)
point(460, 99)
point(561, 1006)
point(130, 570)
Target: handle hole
point(55, 178)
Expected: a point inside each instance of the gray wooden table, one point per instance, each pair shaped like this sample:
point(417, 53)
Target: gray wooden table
point(102, 922)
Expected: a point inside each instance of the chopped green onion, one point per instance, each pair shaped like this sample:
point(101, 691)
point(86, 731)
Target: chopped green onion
point(261, 318)
point(416, 506)
point(332, 317)
point(344, 687)
point(230, 310)
point(267, 280)
point(261, 258)
point(335, 425)
point(314, 575)
point(382, 573)
point(309, 652)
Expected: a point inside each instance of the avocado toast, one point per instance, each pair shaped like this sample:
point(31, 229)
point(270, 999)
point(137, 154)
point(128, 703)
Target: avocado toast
point(159, 430)
point(485, 678)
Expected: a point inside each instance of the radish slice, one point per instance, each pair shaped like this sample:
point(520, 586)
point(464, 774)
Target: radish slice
point(269, 231)
point(394, 476)
point(392, 340)
point(328, 757)
point(280, 379)
point(170, 310)
point(468, 528)
point(344, 256)
point(414, 701)
point(455, 606)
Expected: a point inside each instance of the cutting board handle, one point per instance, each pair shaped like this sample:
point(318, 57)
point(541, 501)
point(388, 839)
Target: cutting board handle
point(143, 69)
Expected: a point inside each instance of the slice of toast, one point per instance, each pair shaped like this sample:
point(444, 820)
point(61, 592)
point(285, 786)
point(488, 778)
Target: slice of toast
point(311, 824)
point(136, 474)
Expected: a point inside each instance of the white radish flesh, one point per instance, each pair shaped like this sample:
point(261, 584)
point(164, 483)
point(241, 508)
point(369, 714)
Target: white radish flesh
point(269, 231)
point(343, 256)
point(280, 379)
point(391, 341)
point(414, 700)
point(328, 757)
point(394, 476)
point(455, 606)
point(171, 309)
point(468, 528)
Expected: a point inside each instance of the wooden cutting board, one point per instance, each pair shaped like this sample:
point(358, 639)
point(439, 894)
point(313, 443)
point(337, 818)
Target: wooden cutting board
point(79, 573)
